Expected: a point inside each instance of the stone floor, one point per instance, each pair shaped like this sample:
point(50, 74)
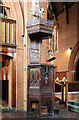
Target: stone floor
point(63, 114)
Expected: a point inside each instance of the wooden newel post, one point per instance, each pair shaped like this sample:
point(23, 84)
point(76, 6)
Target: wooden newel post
point(66, 95)
point(62, 90)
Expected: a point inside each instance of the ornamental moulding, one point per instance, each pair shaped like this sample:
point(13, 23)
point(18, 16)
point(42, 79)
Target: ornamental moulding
point(40, 28)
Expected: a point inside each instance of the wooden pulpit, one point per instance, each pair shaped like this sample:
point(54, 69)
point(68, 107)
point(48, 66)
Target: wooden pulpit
point(40, 76)
point(41, 88)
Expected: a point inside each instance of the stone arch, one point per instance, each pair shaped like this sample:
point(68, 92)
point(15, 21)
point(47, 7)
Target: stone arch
point(76, 67)
point(72, 61)
point(17, 14)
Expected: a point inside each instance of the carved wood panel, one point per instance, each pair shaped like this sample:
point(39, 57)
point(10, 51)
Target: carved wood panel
point(34, 77)
point(41, 86)
point(34, 51)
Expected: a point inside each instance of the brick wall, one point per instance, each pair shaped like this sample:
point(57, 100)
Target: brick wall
point(67, 38)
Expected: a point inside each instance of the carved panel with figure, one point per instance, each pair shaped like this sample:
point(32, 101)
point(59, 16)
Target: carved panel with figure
point(41, 86)
point(34, 52)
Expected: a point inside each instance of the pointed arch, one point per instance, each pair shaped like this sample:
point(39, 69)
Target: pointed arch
point(71, 65)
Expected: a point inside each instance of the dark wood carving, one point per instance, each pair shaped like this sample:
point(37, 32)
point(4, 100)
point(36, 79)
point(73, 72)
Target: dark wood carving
point(41, 87)
point(73, 86)
point(40, 28)
point(61, 75)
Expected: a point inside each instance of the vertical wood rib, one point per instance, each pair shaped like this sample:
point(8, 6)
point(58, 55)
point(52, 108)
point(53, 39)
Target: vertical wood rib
point(2, 32)
point(6, 32)
point(14, 33)
point(10, 34)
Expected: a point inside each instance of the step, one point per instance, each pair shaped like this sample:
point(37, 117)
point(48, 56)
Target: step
point(7, 109)
point(73, 108)
point(73, 102)
point(73, 105)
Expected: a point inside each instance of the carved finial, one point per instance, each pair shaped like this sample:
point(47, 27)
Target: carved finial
point(57, 79)
point(36, 12)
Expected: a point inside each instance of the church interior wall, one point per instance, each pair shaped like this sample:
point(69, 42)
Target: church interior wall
point(67, 38)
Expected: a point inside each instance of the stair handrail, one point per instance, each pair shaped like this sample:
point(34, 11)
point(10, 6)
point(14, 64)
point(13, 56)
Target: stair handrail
point(58, 83)
point(64, 84)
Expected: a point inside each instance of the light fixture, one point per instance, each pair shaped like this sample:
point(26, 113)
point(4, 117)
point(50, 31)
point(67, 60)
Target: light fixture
point(69, 49)
point(49, 52)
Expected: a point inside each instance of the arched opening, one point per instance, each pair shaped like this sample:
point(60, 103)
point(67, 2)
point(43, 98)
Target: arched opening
point(77, 71)
point(73, 63)
point(7, 81)
point(4, 62)
point(4, 78)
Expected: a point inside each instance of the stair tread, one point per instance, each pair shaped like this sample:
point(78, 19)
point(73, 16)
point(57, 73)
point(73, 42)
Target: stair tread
point(75, 101)
point(73, 105)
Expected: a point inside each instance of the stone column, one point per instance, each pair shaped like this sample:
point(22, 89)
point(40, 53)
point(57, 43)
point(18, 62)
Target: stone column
point(19, 79)
point(25, 57)
point(19, 58)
